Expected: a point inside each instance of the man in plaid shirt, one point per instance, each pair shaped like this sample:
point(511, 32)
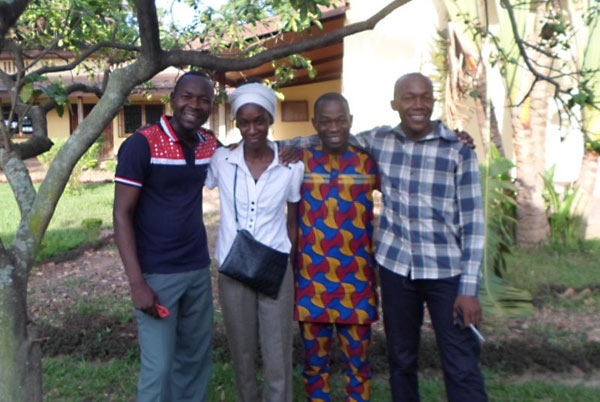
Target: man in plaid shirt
point(429, 242)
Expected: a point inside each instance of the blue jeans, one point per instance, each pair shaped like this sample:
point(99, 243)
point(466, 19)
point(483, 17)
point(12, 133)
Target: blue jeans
point(176, 351)
point(403, 307)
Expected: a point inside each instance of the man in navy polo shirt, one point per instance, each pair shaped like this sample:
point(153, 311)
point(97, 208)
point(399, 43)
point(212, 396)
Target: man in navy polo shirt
point(162, 241)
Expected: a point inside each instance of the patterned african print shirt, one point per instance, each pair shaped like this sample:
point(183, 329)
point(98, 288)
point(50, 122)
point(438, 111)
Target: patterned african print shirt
point(431, 224)
point(335, 281)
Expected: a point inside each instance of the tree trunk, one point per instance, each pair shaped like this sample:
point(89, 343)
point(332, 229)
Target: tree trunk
point(20, 354)
point(529, 124)
point(588, 183)
point(488, 126)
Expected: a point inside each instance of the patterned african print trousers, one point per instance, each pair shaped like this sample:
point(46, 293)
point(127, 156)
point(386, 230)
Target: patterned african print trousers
point(354, 340)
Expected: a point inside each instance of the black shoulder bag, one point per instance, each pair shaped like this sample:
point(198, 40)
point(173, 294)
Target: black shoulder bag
point(252, 262)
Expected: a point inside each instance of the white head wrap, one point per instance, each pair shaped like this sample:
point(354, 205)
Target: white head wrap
point(256, 93)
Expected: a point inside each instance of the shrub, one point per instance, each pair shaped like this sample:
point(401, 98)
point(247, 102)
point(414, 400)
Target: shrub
point(567, 227)
point(92, 228)
point(89, 160)
point(498, 298)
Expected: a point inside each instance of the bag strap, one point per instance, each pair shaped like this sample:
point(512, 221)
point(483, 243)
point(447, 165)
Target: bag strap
point(235, 197)
point(237, 224)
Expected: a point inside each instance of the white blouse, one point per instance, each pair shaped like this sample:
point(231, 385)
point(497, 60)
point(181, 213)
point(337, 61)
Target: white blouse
point(261, 205)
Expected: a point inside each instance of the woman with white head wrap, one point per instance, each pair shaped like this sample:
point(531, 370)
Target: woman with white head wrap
point(258, 94)
point(263, 188)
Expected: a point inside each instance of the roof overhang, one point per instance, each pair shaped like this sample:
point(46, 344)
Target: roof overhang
point(326, 60)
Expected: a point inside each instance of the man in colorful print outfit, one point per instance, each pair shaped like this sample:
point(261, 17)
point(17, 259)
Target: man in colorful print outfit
point(335, 277)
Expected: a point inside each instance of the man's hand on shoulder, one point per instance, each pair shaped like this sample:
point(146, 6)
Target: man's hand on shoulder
point(470, 307)
point(465, 138)
point(289, 155)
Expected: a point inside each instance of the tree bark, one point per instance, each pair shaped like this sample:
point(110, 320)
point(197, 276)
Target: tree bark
point(529, 124)
point(20, 354)
point(530, 121)
point(588, 179)
point(532, 227)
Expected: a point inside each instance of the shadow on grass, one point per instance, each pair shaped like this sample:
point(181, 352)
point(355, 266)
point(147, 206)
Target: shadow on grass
point(102, 338)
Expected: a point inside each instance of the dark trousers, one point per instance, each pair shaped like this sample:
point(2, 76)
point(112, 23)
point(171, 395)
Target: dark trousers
point(403, 306)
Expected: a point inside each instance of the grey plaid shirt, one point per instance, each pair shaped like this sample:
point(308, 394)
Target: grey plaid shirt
point(432, 224)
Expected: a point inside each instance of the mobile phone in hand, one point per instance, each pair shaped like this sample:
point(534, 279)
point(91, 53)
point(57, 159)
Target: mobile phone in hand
point(461, 323)
point(157, 311)
point(161, 311)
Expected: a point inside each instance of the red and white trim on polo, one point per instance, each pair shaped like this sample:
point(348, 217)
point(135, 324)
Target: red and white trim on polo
point(128, 181)
point(165, 147)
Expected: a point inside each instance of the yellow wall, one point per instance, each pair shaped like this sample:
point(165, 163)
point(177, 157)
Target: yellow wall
point(117, 140)
point(58, 127)
point(310, 92)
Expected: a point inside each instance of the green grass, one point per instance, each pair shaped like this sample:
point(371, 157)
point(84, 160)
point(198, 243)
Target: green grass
point(547, 273)
point(69, 379)
point(68, 228)
point(537, 268)
point(106, 305)
point(538, 391)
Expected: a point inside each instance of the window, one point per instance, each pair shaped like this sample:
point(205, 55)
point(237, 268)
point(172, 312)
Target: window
point(153, 113)
point(24, 129)
point(74, 114)
point(294, 111)
point(136, 116)
point(9, 67)
point(133, 118)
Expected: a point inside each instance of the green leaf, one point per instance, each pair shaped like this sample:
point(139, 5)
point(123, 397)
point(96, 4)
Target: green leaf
point(27, 92)
point(500, 166)
point(35, 77)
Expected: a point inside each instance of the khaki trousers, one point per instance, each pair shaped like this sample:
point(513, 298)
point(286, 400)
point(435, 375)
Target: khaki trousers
point(253, 319)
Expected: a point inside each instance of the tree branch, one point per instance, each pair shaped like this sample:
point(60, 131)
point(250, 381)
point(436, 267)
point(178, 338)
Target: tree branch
point(33, 146)
point(7, 80)
point(18, 177)
point(39, 142)
point(519, 41)
point(10, 11)
point(149, 30)
point(5, 132)
point(105, 79)
point(539, 49)
point(51, 104)
point(182, 57)
point(83, 56)
point(44, 52)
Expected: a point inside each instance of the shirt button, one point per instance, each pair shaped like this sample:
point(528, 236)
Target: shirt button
point(252, 209)
point(251, 220)
point(252, 202)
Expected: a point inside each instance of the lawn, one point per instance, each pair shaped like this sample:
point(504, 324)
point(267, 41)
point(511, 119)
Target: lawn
point(562, 279)
point(70, 226)
point(71, 379)
point(102, 364)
